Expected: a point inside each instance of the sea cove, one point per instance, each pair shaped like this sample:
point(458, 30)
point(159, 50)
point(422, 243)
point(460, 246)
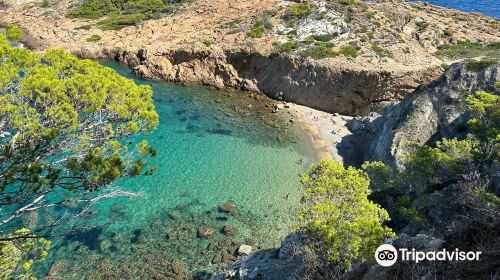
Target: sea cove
point(213, 147)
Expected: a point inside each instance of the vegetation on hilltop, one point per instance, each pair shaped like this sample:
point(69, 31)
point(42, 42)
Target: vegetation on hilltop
point(62, 121)
point(122, 13)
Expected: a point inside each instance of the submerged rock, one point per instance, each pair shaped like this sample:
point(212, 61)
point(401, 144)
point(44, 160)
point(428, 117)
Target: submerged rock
point(228, 207)
point(178, 267)
point(229, 230)
point(205, 231)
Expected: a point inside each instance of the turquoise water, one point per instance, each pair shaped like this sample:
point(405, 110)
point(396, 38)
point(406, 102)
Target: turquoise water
point(487, 7)
point(213, 147)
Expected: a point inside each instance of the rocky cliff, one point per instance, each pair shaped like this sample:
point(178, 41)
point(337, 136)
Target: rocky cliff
point(360, 57)
point(307, 82)
point(434, 111)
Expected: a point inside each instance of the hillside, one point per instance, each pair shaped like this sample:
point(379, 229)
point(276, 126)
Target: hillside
point(381, 50)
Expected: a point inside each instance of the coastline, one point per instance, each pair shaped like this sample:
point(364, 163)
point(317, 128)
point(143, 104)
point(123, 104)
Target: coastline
point(325, 130)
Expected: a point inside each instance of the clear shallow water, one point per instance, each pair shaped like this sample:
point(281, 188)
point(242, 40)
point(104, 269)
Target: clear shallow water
point(212, 147)
point(487, 7)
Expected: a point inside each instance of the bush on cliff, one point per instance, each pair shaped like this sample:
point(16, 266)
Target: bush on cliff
point(14, 33)
point(339, 216)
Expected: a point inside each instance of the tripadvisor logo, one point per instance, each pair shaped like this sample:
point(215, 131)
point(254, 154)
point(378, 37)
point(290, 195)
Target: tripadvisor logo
point(386, 255)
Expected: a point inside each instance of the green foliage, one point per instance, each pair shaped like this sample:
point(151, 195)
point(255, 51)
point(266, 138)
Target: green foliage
point(117, 22)
point(287, 47)
point(447, 33)
point(405, 208)
point(476, 66)
point(320, 50)
point(378, 49)
point(93, 9)
point(94, 38)
point(208, 43)
point(338, 213)
point(324, 37)
point(485, 110)
point(349, 51)
point(122, 13)
point(467, 49)
point(257, 30)
point(437, 164)
point(14, 33)
point(61, 121)
point(489, 199)
point(300, 10)
point(18, 255)
point(85, 27)
point(348, 2)
point(45, 4)
point(381, 176)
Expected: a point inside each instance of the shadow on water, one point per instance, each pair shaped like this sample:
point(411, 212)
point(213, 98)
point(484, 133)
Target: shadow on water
point(220, 131)
point(137, 236)
point(88, 238)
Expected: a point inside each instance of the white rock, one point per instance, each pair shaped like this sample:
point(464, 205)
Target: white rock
point(245, 250)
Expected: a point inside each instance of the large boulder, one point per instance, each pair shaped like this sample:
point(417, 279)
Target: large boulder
point(434, 111)
point(289, 262)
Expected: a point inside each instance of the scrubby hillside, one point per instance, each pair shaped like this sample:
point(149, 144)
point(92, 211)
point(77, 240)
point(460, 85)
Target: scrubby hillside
point(391, 47)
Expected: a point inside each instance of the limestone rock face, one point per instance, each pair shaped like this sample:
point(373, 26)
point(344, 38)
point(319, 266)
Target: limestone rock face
point(434, 111)
point(332, 89)
point(323, 22)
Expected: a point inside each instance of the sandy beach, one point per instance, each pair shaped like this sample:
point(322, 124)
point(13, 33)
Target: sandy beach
point(325, 129)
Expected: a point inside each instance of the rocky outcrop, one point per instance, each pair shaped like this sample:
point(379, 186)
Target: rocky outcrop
point(289, 262)
point(432, 112)
point(332, 89)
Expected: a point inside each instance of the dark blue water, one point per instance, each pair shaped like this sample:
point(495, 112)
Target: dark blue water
point(487, 7)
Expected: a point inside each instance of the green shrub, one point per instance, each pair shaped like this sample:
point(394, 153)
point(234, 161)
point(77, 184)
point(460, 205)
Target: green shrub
point(325, 37)
point(405, 208)
point(85, 27)
point(17, 256)
point(484, 108)
point(309, 40)
point(319, 51)
point(93, 9)
point(300, 10)
point(338, 214)
point(208, 43)
point(347, 2)
point(120, 21)
point(474, 65)
point(378, 49)
point(257, 30)
point(45, 4)
point(122, 13)
point(422, 25)
point(14, 33)
point(287, 47)
point(94, 38)
point(349, 51)
point(467, 49)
